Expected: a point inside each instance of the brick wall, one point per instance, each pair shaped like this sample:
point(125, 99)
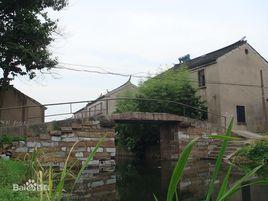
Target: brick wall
point(174, 137)
point(55, 145)
point(96, 184)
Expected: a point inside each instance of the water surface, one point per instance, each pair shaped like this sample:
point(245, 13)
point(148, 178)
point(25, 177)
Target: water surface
point(134, 180)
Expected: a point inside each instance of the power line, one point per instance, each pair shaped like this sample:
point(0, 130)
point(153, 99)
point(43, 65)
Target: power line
point(146, 77)
point(117, 98)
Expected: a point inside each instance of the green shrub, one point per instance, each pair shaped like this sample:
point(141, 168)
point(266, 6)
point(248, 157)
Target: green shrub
point(8, 139)
point(257, 151)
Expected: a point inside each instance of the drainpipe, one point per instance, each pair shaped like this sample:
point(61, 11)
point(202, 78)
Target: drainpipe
point(263, 101)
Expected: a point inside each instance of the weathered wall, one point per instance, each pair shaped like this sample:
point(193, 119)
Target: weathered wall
point(105, 107)
point(247, 71)
point(55, 146)
point(174, 138)
point(211, 92)
point(98, 184)
point(15, 98)
point(238, 68)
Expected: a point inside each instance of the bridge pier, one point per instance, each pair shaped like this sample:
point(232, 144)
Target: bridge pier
point(176, 132)
point(167, 145)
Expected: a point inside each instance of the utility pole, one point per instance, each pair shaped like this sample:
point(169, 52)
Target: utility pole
point(263, 101)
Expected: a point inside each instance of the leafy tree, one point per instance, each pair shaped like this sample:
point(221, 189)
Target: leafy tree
point(25, 33)
point(170, 92)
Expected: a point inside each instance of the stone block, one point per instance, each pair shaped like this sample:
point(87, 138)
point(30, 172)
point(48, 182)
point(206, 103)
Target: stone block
point(33, 144)
point(22, 149)
point(89, 149)
point(4, 157)
point(91, 171)
point(80, 149)
point(94, 163)
point(111, 181)
point(63, 148)
point(68, 135)
point(70, 139)
point(66, 129)
point(182, 135)
point(105, 139)
point(45, 137)
point(56, 138)
point(97, 183)
point(100, 155)
point(49, 144)
point(22, 143)
point(110, 150)
point(85, 138)
point(107, 162)
point(15, 143)
point(55, 133)
point(79, 154)
point(82, 159)
point(58, 154)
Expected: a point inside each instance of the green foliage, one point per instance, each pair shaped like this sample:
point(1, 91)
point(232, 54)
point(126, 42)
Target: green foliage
point(13, 172)
point(8, 139)
point(259, 151)
point(178, 170)
point(172, 85)
point(56, 180)
point(256, 152)
point(136, 137)
point(26, 31)
point(169, 92)
point(127, 105)
point(17, 175)
point(7, 194)
point(55, 126)
point(165, 93)
point(219, 161)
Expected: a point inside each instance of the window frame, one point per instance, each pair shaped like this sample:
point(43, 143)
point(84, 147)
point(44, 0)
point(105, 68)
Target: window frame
point(201, 78)
point(241, 110)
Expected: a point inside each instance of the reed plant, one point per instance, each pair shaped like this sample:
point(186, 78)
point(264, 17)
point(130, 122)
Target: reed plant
point(225, 191)
point(56, 180)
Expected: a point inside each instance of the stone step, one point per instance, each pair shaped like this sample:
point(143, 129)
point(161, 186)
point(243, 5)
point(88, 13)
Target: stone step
point(66, 129)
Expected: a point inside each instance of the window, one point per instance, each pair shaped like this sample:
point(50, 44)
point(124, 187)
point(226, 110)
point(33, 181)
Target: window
point(241, 114)
point(201, 78)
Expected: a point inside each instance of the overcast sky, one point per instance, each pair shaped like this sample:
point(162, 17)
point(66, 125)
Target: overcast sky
point(132, 36)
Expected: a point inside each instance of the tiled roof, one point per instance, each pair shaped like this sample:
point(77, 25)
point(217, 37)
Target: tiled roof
point(210, 57)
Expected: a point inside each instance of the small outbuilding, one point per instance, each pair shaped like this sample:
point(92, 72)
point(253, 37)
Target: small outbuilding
point(18, 108)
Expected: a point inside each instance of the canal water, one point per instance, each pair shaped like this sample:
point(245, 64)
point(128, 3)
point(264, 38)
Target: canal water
point(137, 181)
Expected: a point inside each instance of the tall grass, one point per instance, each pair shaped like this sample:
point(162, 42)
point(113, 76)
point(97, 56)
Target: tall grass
point(224, 192)
point(219, 161)
point(48, 176)
point(14, 172)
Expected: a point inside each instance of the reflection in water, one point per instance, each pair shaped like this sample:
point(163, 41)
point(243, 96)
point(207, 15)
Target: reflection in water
point(96, 184)
point(137, 181)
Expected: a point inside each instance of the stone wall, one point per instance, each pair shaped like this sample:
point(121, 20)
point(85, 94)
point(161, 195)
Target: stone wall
point(96, 184)
point(54, 146)
point(174, 138)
